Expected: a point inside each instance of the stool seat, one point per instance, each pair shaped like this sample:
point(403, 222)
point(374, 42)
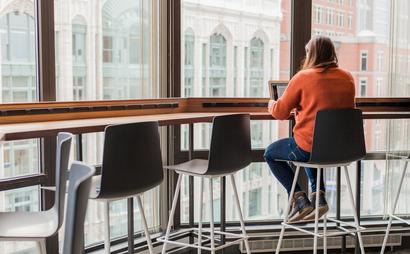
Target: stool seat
point(28, 224)
point(316, 165)
point(196, 167)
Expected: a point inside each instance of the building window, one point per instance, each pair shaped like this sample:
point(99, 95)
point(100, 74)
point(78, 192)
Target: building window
point(235, 70)
point(363, 87)
point(380, 60)
point(189, 63)
point(256, 68)
point(204, 70)
point(363, 60)
point(217, 65)
point(349, 21)
point(330, 16)
point(255, 202)
point(341, 19)
point(79, 30)
point(107, 49)
point(318, 14)
point(379, 83)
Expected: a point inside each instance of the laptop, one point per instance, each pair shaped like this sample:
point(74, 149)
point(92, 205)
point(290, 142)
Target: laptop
point(277, 88)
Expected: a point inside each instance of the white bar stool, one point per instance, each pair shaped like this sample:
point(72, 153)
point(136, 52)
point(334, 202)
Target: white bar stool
point(396, 199)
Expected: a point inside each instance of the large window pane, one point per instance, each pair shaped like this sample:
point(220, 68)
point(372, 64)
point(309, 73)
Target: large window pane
point(105, 50)
point(372, 39)
point(232, 49)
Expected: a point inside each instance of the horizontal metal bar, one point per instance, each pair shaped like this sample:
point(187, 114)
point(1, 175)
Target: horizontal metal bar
point(229, 244)
point(22, 181)
point(400, 219)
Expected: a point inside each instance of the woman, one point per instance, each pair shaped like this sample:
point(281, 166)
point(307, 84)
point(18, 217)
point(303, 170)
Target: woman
point(321, 84)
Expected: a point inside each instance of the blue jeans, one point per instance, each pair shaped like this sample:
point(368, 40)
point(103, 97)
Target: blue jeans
point(287, 149)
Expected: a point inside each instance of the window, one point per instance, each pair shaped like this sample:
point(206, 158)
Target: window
point(18, 69)
point(318, 14)
point(254, 202)
point(256, 68)
point(238, 62)
point(79, 58)
point(18, 84)
point(189, 63)
point(217, 66)
point(106, 50)
point(330, 17)
point(363, 87)
point(379, 86)
point(363, 60)
point(380, 60)
point(349, 21)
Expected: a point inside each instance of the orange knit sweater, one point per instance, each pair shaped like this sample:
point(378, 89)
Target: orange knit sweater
point(310, 91)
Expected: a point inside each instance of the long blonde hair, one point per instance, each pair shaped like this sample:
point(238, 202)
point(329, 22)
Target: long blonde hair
point(320, 52)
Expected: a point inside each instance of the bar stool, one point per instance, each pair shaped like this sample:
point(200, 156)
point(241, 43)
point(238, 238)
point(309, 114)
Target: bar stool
point(77, 200)
point(338, 141)
point(396, 199)
point(37, 226)
point(230, 152)
point(131, 165)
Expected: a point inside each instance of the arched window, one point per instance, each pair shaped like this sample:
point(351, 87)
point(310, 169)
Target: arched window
point(217, 65)
point(79, 35)
point(18, 51)
point(189, 63)
point(256, 68)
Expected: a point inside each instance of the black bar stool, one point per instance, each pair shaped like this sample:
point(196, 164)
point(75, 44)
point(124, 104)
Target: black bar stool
point(338, 140)
point(230, 152)
point(131, 165)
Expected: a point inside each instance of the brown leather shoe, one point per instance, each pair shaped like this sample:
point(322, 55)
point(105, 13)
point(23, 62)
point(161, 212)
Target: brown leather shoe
point(301, 207)
point(323, 207)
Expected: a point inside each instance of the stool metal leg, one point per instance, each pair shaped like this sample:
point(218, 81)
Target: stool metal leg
point(285, 219)
point(318, 173)
point(144, 222)
point(393, 208)
point(211, 214)
point(324, 234)
point(201, 194)
point(171, 215)
point(238, 207)
point(352, 203)
point(107, 243)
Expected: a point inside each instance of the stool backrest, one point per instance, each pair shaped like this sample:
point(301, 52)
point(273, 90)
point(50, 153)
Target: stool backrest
point(132, 161)
point(338, 137)
point(77, 200)
point(63, 149)
point(230, 149)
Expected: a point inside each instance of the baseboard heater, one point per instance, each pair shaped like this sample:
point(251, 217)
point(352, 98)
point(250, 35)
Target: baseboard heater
point(301, 244)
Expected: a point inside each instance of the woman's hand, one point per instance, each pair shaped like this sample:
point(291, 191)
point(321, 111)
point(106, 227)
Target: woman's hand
point(270, 106)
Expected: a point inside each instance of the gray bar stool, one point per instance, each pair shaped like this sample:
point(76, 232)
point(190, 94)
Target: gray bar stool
point(230, 152)
point(338, 140)
point(396, 199)
point(37, 226)
point(79, 185)
point(131, 165)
